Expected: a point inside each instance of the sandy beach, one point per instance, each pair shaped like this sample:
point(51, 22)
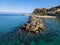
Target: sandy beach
point(45, 16)
point(39, 16)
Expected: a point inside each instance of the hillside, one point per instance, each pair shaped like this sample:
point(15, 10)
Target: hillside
point(45, 11)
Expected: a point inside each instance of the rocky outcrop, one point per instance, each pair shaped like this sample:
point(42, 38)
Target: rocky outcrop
point(34, 25)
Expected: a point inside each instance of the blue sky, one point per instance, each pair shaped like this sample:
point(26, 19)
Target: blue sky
point(26, 6)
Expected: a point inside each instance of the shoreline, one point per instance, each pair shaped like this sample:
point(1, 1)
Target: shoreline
point(45, 16)
point(39, 16)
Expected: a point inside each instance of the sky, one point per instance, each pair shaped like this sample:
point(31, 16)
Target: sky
point(26, 6)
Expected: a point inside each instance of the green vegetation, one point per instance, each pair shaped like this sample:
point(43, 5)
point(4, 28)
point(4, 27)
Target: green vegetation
point(57, 12)
point(40, 11)
point(45, 11)
point(58, 7)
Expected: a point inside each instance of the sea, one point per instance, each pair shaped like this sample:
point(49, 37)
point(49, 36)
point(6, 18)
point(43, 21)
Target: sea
point(11, 22)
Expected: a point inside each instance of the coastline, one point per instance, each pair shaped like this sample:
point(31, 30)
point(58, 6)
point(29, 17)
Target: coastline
point(39, 16)
point(35, 21)
point(45, 16)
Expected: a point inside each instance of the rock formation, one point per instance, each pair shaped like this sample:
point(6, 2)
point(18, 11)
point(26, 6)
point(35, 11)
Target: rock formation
point(34, 25)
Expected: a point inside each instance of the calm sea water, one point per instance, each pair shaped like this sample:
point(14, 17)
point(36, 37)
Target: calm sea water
point(9, 22)
point(53, 32)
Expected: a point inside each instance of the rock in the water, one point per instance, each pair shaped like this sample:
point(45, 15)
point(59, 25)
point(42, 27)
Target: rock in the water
point(34, 25)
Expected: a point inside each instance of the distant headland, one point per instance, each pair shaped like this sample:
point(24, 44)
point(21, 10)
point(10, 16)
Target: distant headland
point(45, 11)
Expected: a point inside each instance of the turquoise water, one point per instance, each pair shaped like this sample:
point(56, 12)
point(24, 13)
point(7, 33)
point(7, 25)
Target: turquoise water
point(9, 22)
point(53, 32)
point(10, 35)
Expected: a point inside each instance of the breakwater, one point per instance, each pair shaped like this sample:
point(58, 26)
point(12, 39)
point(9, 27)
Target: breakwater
point(34, 25)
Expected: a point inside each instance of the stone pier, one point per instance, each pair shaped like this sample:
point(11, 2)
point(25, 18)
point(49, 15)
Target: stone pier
point(34, 25)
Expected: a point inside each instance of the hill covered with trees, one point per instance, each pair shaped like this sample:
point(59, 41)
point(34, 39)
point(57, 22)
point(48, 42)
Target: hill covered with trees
point(45, 11)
